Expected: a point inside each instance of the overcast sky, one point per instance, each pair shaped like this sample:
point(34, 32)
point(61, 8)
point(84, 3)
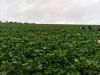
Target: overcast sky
point(51, 11)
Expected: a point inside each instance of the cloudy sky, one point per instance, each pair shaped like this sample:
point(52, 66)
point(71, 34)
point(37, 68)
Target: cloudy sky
point(51, 11)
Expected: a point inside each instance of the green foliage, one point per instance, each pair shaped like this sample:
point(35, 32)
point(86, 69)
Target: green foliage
point(28, 49)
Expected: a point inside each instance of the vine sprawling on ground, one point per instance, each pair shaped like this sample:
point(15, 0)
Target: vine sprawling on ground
point(32, 49)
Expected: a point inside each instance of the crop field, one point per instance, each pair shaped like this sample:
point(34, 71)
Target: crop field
point(33, 49)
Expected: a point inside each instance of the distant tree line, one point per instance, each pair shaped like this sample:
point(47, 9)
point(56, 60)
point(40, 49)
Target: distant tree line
point(89, 28)
point(16, 22)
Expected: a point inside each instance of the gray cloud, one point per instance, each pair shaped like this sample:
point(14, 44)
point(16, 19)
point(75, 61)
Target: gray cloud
point(51, 11)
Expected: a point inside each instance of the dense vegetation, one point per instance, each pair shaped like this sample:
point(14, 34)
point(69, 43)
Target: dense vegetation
point(28, 49)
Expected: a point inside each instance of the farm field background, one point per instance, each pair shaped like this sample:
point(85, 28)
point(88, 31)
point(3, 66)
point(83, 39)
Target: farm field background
point(37, 49)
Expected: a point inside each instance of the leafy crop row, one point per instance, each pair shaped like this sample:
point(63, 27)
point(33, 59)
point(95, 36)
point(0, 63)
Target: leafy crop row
point(48, 50)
